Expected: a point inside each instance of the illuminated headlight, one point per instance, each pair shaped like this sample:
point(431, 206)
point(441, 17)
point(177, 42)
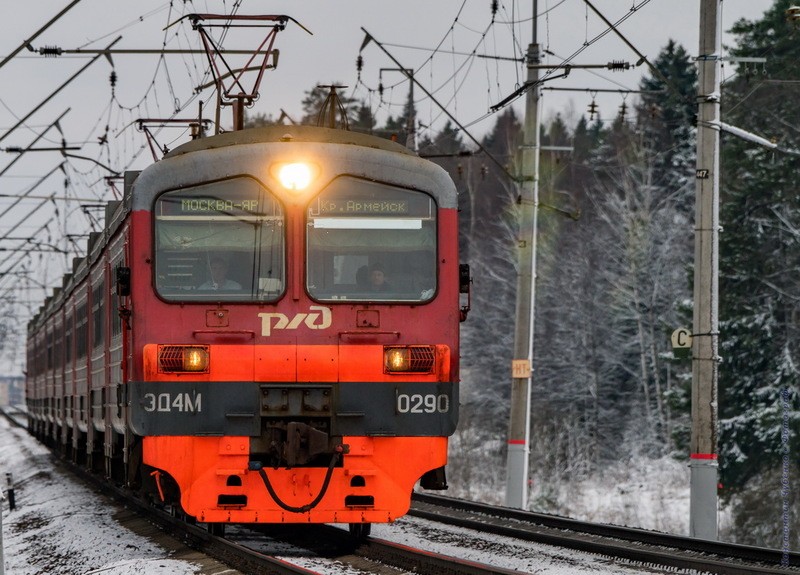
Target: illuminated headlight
point(404, 359)
point(183, 358)
point(296, 176)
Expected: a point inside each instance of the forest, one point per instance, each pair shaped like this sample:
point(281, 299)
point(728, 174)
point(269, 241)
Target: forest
point(615, 270)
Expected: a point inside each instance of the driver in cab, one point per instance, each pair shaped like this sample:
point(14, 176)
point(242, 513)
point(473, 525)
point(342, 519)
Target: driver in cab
point(219, 277)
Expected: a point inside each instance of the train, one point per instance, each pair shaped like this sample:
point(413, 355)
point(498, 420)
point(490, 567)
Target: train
point(266, 330)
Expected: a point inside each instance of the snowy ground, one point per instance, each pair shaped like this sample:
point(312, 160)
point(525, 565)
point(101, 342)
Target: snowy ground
point(649, 494)
point(60, 527)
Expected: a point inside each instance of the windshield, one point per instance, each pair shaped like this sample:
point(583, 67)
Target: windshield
point(219, 241)
point(371, 242)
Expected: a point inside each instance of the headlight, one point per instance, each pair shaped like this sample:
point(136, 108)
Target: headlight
point(183, 358)
point(296, 176)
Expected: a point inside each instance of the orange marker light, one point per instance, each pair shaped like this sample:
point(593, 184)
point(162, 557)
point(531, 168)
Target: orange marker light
point(414, 358)
point(183, 358)
point(397, 358)
point(195, 359)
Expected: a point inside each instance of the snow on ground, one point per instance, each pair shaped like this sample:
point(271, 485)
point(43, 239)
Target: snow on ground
point(649, 494)
point(60, 527)
point(644, 493)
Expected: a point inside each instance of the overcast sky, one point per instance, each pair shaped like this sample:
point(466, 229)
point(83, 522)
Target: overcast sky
point(411, 30)
point(445, 42)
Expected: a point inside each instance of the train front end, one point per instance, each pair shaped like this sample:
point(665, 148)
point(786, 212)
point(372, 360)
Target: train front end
point(294, 318)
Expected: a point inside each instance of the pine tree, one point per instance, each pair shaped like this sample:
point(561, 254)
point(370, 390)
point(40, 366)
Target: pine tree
point(760, 262)
point(666, 118)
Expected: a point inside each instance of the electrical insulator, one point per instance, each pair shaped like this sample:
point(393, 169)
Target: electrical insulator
point(592, 110)
point(623, 109)
point(380, 89)
point(50, 51)
point(113, 78)
point(484, 171)
point(495, 6)
point(359, 63)
point(460, 170)
point(618, 65)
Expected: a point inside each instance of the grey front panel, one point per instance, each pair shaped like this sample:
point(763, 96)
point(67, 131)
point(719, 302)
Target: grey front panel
point(193, 408)
point(397, 409)
point(417, 409)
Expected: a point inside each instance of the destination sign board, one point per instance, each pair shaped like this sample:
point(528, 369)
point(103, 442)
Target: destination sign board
point(362, 207)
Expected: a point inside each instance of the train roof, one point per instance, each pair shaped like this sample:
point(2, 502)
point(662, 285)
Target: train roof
point(252, 152)
point(290, 133)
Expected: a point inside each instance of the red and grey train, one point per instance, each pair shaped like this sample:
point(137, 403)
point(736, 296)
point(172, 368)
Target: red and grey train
point(266, 331)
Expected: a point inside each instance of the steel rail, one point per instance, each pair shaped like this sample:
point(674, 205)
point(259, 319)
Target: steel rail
point(624, 542)
point(320, 539)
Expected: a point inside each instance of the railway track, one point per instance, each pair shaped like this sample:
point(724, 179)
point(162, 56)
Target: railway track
point(322, 548)
point(648, 547)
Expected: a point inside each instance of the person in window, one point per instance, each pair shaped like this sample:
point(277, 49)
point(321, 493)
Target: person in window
point(377, 278)
point(219, 277)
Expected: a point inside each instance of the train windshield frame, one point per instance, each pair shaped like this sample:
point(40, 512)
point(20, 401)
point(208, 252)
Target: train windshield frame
point(221, 241)
point(368, 241)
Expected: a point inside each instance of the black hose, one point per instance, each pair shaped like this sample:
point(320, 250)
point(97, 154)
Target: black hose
point(309, 506)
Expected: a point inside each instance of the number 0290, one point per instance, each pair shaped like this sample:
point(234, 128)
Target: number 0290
point(423, 403)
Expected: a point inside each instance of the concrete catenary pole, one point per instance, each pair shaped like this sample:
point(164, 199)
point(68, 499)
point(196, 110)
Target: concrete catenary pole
point(705, 341)
point(522, 372)
point(2, 554)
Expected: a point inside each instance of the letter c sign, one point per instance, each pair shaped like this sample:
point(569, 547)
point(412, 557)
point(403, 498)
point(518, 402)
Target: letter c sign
point(682, 343)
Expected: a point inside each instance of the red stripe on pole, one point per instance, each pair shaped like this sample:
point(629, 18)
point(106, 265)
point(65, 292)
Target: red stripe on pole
point(516, 442)
point(703, 456)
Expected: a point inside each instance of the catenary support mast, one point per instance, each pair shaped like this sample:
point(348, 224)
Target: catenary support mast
point(705, 350)
point(519, 423)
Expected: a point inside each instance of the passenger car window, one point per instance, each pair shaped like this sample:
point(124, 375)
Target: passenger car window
point(219, 241)
point(368, 241)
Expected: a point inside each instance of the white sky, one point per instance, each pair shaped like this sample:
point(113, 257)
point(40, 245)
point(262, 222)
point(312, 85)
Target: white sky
point(411, 30)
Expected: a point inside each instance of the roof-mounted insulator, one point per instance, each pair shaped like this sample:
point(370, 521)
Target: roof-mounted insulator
point(51, 51)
